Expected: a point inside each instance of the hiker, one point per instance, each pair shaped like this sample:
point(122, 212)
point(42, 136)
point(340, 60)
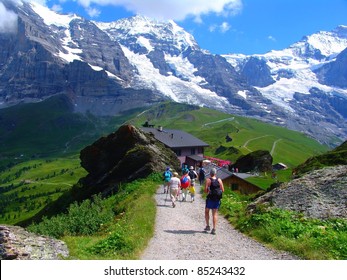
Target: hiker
point(214, 188)
point(167, 177)
point(185, 184)
point(193, 175)
point(202, 175)
point(175, 184)
point(184, 168)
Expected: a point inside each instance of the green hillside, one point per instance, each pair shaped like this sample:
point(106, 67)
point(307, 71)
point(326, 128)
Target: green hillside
point(28, 187)
point(49, 129)
point(286, 146)
point(331, 158)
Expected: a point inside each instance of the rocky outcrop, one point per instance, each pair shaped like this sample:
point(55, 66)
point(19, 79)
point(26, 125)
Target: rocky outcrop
point(125, 155)
point(257, 160)
point(334, 73)
point(257, 72)
point(18, 244)
point(319, 194)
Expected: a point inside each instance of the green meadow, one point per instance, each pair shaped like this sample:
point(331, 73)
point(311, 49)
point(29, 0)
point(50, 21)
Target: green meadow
point(29, 186)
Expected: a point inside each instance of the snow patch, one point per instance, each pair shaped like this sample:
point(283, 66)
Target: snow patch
point(184, 91)
point(52, 18)
point(142, 41)
point(242, 93)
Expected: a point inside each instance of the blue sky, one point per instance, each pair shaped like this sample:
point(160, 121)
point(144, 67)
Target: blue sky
point(224, 26)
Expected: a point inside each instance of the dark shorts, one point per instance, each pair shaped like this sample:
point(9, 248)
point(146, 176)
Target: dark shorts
point(212, 204)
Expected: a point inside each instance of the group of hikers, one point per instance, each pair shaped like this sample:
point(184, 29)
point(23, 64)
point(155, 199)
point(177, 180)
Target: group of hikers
point(185, 185)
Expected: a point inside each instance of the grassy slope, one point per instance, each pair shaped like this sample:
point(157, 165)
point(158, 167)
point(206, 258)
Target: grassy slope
point(335, 157)
point(290, 147)
point(33, 184)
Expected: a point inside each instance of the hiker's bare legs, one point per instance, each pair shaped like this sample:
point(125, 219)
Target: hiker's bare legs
point(214, 217)
point(207, 216)
point(166, 187)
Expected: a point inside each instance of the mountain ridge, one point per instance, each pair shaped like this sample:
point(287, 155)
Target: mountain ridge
point(110, 67)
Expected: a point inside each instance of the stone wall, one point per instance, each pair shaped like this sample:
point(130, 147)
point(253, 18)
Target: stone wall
point(18, 244)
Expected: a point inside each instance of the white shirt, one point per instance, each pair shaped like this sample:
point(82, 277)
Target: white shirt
point(175, 183)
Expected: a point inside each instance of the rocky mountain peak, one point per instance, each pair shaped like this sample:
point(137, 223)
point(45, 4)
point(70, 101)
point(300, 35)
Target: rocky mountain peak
point(143, 35)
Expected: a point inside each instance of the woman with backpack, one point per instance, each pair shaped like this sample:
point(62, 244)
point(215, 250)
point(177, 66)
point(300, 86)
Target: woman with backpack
point(185, 184)
point(167, 177)
point(214, 189)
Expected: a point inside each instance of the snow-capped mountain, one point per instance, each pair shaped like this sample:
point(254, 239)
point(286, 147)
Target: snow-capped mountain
point(303, 80)
point(106, 68)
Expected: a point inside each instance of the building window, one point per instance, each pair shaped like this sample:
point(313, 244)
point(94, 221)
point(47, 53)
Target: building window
point(192, 151)
point(200, 150)
point(177, 152)
point(234, 187)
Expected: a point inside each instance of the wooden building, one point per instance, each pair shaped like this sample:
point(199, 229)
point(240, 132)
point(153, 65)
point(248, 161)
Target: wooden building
point(235, 181)
point(188, 148)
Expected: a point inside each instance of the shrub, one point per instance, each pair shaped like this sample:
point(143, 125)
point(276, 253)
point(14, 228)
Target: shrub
point(82, 219)
point(117, 243)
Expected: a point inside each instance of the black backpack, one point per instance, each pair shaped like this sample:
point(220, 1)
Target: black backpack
point(216, 192)
point(192, 174)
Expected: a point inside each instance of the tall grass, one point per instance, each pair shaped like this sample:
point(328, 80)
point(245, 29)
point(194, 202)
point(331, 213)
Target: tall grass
point(290, 231)
point(118, 227)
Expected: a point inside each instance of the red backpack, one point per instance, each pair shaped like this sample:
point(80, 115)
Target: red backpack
point(184, 181)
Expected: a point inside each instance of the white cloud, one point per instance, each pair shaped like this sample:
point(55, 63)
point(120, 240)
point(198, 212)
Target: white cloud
point(224, 27)
point(172, 9)
point(93, 12)
point(272, 38)
point(8, 20)
point(57, 8)
point(213, 28)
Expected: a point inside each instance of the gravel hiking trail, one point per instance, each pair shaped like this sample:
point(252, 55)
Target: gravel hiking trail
point(179, 235)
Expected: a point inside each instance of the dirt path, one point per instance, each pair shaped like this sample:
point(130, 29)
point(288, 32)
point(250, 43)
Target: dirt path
point(274, 146)
point(179, 235)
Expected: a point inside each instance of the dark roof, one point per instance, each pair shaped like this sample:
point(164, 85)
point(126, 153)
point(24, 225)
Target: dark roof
point(175, 138)
point(242, 175)
point(224, 173)
point(195, 158)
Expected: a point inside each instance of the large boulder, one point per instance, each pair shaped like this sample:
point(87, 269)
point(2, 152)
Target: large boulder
point(259, 160)
point(124, 156)
point(318, 194)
